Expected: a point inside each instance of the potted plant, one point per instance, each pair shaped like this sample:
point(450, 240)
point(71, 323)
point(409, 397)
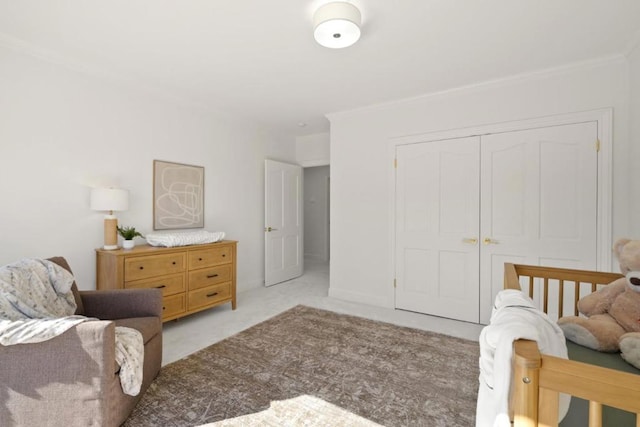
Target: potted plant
point(128, 234)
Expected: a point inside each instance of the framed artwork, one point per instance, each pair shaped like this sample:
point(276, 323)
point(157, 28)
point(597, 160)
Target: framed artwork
point(178, 196)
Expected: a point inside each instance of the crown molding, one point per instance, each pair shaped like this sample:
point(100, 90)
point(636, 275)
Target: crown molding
point(48, 55)
point(489, 84)
point(132, 82)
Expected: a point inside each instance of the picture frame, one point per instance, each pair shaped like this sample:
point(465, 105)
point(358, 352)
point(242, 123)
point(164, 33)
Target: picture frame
point(178, 195)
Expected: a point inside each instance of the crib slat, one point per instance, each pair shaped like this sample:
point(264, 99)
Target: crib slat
point(531, 287)
point(546, 295)
point(561, 298)
point(595, 414)
point(637, 420)
point(576, 297)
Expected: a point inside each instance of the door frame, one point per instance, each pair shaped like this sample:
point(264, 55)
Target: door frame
point(604, 119)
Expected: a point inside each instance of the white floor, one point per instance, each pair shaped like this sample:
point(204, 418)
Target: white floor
point(187, 335)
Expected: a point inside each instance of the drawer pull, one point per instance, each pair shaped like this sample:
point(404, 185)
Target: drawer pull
point(161, 286)
point(224, 255)
point(141, 268)
point(174, 263)
point(164, 308)
point(213, 294)
point(199, 259)
point(211, 276)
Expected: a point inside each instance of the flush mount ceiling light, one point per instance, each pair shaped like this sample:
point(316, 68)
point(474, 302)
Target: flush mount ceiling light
point(337, 25)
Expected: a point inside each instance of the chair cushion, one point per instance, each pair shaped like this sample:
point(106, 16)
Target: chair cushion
point(148, 326)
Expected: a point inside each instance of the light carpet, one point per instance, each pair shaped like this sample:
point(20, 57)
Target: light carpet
point(390, 375)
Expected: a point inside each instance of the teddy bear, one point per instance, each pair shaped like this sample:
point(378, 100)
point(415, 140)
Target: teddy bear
point(613, 312)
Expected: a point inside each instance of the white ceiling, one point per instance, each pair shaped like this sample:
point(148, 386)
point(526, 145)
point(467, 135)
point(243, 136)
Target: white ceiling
point(258, 59)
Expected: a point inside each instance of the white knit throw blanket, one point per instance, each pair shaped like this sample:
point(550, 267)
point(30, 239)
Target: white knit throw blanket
point(37, 304)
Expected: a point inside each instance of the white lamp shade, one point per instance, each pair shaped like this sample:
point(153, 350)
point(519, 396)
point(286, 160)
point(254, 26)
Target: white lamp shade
point(337, 25)
point(109, 199)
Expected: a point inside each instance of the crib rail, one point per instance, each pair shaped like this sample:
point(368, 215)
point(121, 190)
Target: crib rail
point(539, 378)
point(549, 278)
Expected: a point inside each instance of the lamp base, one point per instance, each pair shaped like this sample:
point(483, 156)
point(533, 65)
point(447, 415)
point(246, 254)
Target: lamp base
point(110, 232)
point(110, 247)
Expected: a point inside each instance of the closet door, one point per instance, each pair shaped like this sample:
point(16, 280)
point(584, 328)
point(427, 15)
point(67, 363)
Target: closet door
point(539, 202)
point(437, 224)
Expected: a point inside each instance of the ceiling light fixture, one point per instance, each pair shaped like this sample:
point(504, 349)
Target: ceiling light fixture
point(337, 25)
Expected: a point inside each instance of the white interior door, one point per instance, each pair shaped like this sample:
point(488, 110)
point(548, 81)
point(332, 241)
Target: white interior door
point(283, 222)
point(437, 228)
point(539, 202)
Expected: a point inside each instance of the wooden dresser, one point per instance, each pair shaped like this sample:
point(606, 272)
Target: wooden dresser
point(192, 278)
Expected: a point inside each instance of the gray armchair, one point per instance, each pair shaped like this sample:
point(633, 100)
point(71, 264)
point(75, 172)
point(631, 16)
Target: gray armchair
point(72, 379)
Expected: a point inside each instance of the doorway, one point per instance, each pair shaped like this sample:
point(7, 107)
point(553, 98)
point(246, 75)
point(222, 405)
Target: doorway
point(316, 212)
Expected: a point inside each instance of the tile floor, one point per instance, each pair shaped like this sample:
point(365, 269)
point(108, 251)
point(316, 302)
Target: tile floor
point(187, 335)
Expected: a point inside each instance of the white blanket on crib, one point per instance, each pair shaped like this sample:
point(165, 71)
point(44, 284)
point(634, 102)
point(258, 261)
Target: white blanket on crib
point(514, 317)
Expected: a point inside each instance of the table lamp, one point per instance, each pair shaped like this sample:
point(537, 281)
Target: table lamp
point(110, 199)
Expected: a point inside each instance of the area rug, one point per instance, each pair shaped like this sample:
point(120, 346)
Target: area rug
point(391, 375)
point(300, 411)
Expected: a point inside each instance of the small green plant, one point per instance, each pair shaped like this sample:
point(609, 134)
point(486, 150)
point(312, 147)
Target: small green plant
point(128, 233)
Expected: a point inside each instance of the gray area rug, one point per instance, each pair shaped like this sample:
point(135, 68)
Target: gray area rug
point(391, 375)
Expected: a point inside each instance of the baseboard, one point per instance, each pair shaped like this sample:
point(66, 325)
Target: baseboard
point(375, 300)
point(316, 257)
point(249, 285)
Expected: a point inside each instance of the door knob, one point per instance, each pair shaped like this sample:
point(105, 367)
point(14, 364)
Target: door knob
point(471, 241)
point(489, 241)
point(269, 229)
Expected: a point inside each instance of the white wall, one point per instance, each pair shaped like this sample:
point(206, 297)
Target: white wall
point(316, 212)
point(634, 128)
point(313, 150)
point(62, 132)
point(361, 264)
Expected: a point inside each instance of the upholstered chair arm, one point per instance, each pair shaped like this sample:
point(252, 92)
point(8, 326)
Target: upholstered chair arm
point(60, 379)
point(122, 303)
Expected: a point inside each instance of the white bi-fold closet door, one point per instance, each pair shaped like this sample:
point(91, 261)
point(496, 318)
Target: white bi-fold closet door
point(465, 206)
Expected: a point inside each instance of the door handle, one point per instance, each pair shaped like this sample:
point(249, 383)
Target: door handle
point(270, 229)
point(471, 241)
point(490, 241)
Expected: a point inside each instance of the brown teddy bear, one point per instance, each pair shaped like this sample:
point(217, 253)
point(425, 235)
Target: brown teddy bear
point(613, 312)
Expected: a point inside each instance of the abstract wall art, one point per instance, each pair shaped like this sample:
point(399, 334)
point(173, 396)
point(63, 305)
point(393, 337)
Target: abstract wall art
point(178, 196)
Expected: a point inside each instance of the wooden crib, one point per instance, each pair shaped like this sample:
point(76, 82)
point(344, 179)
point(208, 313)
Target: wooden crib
point(538, 378)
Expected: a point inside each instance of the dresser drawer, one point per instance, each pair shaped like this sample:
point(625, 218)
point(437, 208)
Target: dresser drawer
point(173, 305)
point(136, 268)
point(209, 257)
point(209, 276)
point(209, 295)
point(170, 285)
